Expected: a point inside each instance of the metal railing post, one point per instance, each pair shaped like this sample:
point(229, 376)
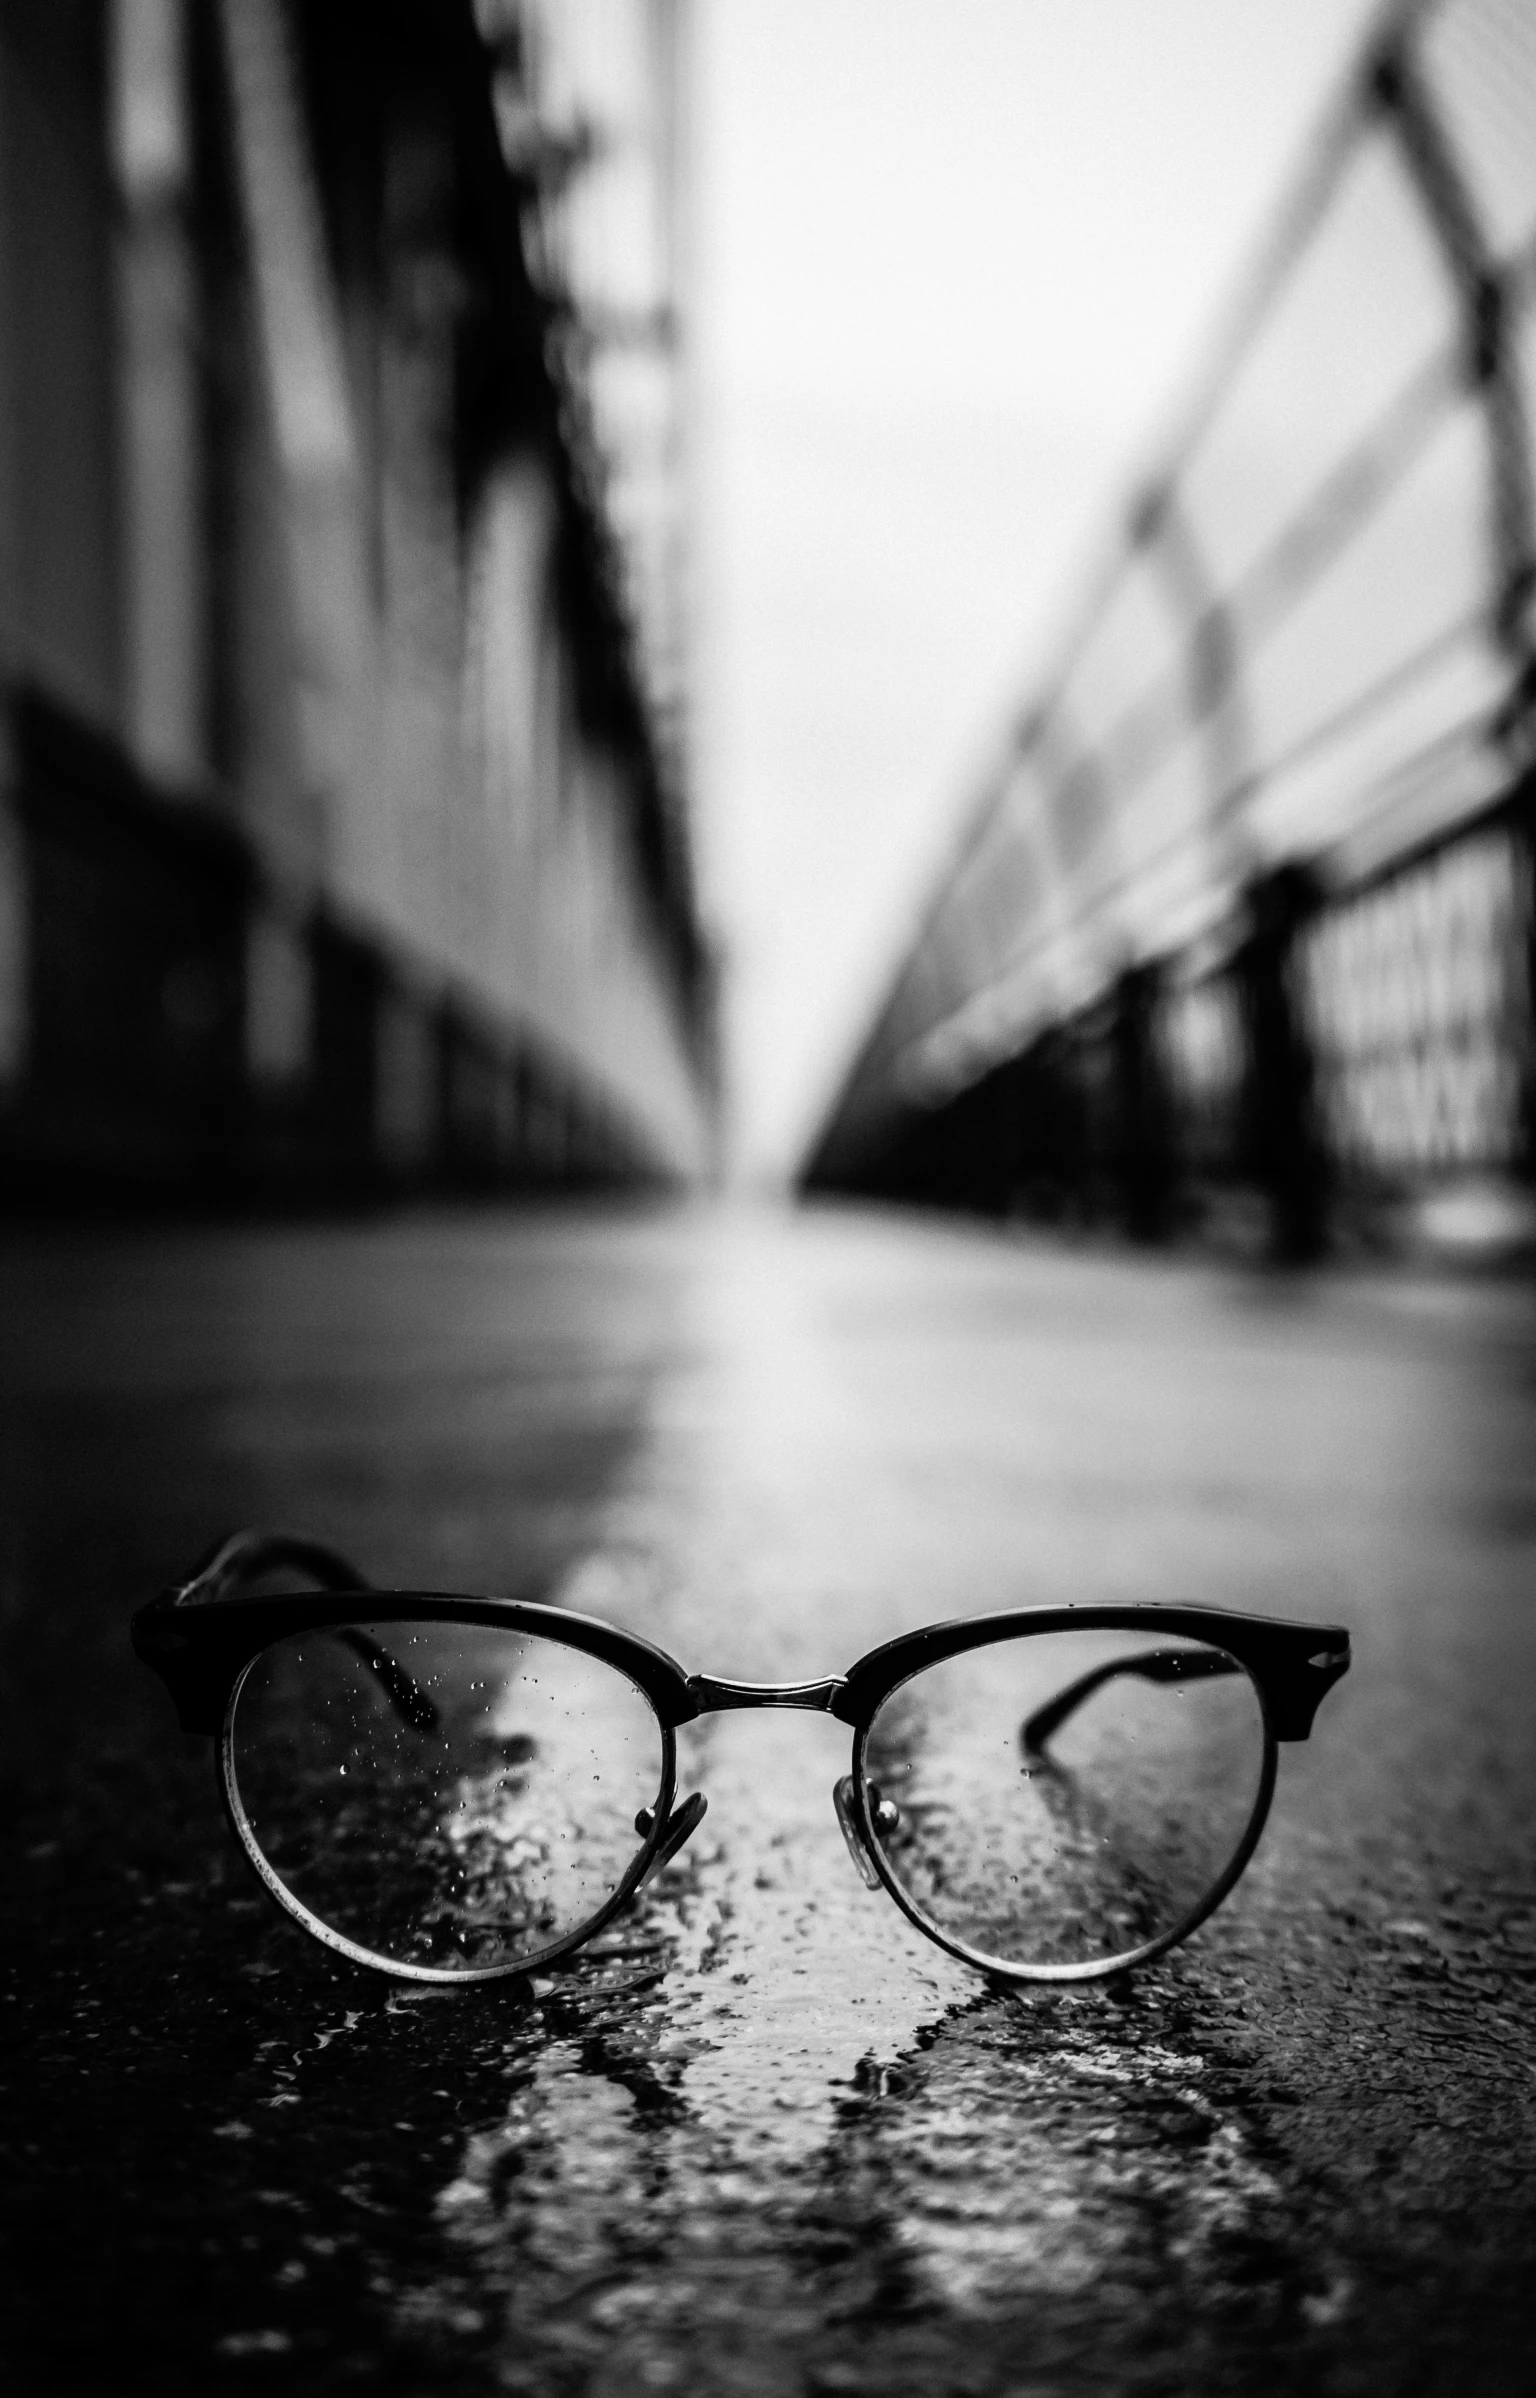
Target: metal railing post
point(1283, 1141)
point(1143, 1161)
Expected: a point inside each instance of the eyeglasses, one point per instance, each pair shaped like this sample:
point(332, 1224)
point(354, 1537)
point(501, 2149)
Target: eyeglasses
point(452, 1789)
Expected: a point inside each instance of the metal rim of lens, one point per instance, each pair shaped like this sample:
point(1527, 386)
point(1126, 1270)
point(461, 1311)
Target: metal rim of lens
point(454, 1977)
point(1096, 1969)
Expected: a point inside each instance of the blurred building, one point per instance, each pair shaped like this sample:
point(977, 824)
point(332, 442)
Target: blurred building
point(342, 828)
point(1242, 914)
point(591, 108)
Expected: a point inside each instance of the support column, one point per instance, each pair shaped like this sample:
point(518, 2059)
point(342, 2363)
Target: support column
point(165, 600)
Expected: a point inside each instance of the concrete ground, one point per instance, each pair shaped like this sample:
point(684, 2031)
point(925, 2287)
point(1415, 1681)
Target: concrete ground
point(770, 2140)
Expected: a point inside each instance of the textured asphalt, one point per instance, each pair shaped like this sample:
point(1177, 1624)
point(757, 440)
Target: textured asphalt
point(769, 2140)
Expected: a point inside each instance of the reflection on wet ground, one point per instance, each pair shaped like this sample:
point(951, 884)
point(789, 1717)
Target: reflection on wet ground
point(899, 2180)
point(763, 2137)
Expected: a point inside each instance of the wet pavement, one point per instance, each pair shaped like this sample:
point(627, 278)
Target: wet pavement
point(764, 2138)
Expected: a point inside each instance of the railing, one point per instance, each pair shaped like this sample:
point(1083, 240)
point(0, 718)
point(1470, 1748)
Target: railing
point(1244, 906)
point(1347, 1052)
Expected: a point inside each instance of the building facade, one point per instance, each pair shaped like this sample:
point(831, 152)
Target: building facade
point(343, 840)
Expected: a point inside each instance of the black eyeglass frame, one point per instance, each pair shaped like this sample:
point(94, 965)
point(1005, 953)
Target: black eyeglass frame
point(200, 1637)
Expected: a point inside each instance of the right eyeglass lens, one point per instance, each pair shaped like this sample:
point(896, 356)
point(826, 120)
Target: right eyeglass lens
point(442, 1796)
point(1067, 1800)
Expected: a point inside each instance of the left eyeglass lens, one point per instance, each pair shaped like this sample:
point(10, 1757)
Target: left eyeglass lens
point(447, 1796)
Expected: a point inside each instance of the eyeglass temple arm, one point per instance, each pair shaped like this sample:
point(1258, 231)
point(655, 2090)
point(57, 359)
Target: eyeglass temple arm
point(245, 1556)
point(1153, 1665)
point(241, 1559)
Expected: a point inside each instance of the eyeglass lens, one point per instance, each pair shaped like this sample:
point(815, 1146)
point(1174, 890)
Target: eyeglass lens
point(446, 1796)
point(1070, 1798)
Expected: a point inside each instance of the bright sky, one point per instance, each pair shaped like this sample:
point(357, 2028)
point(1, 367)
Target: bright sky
point(955, 261)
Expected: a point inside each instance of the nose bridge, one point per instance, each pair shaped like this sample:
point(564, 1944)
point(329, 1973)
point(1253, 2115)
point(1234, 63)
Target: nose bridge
point(714, 1696)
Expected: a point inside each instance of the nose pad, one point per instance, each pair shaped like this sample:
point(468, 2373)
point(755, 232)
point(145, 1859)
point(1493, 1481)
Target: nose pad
point(846, 1803)
point(682, 1822)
